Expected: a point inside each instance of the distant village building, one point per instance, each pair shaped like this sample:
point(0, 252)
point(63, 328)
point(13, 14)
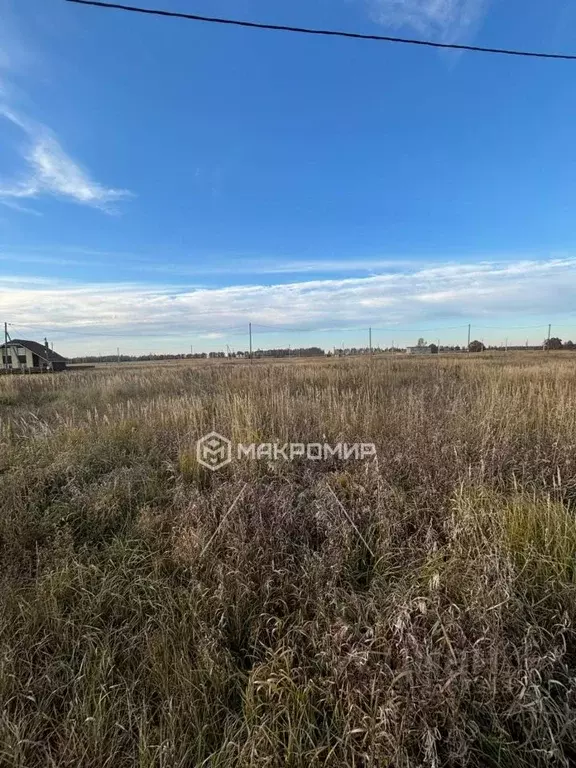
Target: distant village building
point(30, 356)
point(419, 350)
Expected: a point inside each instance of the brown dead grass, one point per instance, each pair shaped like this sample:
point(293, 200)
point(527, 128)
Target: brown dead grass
point(416, 610)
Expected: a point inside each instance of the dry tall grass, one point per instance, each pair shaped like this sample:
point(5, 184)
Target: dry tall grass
point(416, 610)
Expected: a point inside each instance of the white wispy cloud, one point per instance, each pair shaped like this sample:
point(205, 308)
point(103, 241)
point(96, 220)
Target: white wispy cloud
point(325, 265)
point(47, 169)
point(422, 297)
point(50, 171)
point(159, 261)
point(263, 266)
point(446, 20)
point(20, 208)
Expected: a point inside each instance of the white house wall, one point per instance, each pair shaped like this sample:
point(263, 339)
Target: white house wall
point(13, 352)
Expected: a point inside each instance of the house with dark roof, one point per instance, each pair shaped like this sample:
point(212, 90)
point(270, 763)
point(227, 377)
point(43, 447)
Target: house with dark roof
point(23, 355)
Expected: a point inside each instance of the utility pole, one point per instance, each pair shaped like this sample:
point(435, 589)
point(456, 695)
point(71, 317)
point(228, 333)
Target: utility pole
point(506, 345)
point(118, 353)
point(468, 347)
point(549, 334)
point(6, 346)
point(392, 346)
point(250, 334)
point(47, 348)
point(370, 339)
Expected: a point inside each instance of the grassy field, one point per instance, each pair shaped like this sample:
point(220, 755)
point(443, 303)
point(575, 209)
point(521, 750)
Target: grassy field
point(413, 610)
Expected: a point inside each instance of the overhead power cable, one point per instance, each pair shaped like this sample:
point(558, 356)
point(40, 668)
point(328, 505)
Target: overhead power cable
point(325, 32)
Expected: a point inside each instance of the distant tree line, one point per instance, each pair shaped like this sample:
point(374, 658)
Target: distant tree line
point(346, 351)
point(475, 346)
point(257, 353)
point(556, 343)
point(553, 343)
point(283, 352)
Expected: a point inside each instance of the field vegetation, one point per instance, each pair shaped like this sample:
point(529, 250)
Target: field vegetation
point(416, 609)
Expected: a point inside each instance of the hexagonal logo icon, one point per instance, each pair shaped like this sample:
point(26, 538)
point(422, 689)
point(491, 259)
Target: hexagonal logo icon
point(214, 451)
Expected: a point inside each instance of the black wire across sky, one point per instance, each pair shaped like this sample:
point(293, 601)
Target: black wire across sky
point(325, 32)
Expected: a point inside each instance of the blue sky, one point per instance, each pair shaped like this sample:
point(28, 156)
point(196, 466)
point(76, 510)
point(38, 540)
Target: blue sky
point(163, 183)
